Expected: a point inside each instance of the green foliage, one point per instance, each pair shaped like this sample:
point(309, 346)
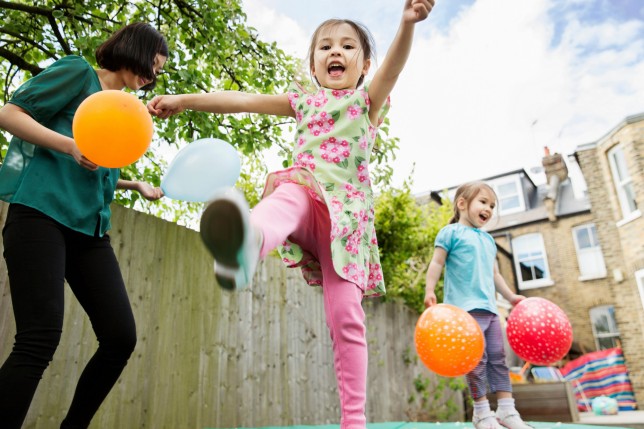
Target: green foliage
point(406, 232)
point(211, 48)
point(384, 153)
point(432, 400)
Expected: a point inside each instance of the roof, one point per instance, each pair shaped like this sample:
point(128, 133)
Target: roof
point(626, 121)
point(436, 195)
point(566, 205)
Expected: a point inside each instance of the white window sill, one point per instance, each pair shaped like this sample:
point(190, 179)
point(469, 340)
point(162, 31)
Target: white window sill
point(630, 218)
point(511, 211)
point(536, 284)
point(592, 277)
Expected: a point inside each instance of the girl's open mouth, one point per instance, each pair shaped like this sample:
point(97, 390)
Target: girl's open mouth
point(335, 69)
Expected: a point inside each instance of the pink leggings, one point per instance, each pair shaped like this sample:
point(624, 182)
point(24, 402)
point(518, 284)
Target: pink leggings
point(290, 212)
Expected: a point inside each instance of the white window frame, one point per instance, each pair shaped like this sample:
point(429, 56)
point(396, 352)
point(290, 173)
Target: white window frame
point(614, 333)
point(537, 283)
point(621, 184)
point(497, 183)
point(639, 279)
point(595, 251)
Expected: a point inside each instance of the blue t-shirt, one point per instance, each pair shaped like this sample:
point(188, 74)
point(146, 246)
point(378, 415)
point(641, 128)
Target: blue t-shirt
point(469, 267)
point(50, 181)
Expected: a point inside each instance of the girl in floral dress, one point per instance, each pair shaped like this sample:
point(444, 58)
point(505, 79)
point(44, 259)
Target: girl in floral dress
point(320, 212)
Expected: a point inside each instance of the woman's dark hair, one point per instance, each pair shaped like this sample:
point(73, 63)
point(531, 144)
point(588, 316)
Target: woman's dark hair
point(365, 38)
point(133, 47)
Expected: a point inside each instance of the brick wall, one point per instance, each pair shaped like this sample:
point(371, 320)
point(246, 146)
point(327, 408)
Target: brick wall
point(575, 297)
point(622, 242)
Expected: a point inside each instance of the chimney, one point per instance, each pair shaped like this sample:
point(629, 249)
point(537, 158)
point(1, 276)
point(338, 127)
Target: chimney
point(556, 172)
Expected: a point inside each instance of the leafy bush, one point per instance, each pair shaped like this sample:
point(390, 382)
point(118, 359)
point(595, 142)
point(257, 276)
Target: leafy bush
point(406, 232)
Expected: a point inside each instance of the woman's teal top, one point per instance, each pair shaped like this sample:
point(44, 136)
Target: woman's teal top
point(50, 181)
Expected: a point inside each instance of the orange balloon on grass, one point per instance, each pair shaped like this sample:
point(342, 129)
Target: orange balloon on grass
point(448, 340)
point(112, 128)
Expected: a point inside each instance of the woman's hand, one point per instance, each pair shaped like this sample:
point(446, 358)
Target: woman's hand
point(149, 192)
point(146, 190)
point(81, 160)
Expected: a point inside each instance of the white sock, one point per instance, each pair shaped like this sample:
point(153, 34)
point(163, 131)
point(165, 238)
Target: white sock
point(482, 408)
point(505, 404)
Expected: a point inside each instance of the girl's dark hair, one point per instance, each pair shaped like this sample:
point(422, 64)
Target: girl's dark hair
point(468, 191)
point(367, 44)
point(134, 48)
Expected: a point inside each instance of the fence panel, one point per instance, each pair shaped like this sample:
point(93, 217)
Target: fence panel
point(207, 358)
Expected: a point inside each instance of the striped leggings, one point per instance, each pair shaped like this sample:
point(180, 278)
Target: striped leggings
point(491, 374)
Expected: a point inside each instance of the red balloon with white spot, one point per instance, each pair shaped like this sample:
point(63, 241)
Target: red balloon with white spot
point(539, 332)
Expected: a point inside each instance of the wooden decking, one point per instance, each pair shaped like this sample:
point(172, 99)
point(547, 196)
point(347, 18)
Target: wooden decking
point(628, 419)
point(555, 402)
point(544, 402)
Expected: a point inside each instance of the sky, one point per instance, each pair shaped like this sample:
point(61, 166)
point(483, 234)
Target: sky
point(489, 83)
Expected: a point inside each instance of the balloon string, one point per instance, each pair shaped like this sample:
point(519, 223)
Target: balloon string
point(524, 369)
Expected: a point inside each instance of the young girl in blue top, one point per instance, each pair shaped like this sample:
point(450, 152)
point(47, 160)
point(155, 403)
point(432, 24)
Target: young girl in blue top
point(57, 220)
point(471, 281)
point(320, 212)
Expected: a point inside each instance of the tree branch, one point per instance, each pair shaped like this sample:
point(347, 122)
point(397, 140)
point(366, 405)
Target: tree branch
point(61, 39)
point(12, 71)
point(35, 10)
point(187, 9)
point(29, 41)
point(20, 62)
point(25, 8)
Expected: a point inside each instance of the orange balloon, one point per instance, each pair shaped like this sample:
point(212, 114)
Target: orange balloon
point(112, 128)
point(448, 340)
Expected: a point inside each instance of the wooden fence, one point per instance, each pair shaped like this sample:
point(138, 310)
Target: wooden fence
point(207, 358)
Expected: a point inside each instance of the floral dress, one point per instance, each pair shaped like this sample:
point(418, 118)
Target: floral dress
point(333, 145)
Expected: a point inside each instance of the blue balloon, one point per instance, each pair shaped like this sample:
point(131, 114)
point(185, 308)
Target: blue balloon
point(200, 169)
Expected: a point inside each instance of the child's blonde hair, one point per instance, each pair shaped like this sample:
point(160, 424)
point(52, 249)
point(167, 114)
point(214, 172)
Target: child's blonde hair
point(367, 44)
point(468, 191)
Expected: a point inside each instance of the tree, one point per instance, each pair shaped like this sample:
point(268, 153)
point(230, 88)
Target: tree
point(211, 48)
point(406, 232)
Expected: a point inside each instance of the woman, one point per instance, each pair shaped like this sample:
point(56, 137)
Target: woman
point(57, 220)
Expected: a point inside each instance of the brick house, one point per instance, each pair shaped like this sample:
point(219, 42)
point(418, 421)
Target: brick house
point(613, 168)
point(584, 253)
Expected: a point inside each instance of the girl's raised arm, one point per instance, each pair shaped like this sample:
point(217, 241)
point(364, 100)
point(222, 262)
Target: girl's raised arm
point(164, 106)
point(387, 74)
